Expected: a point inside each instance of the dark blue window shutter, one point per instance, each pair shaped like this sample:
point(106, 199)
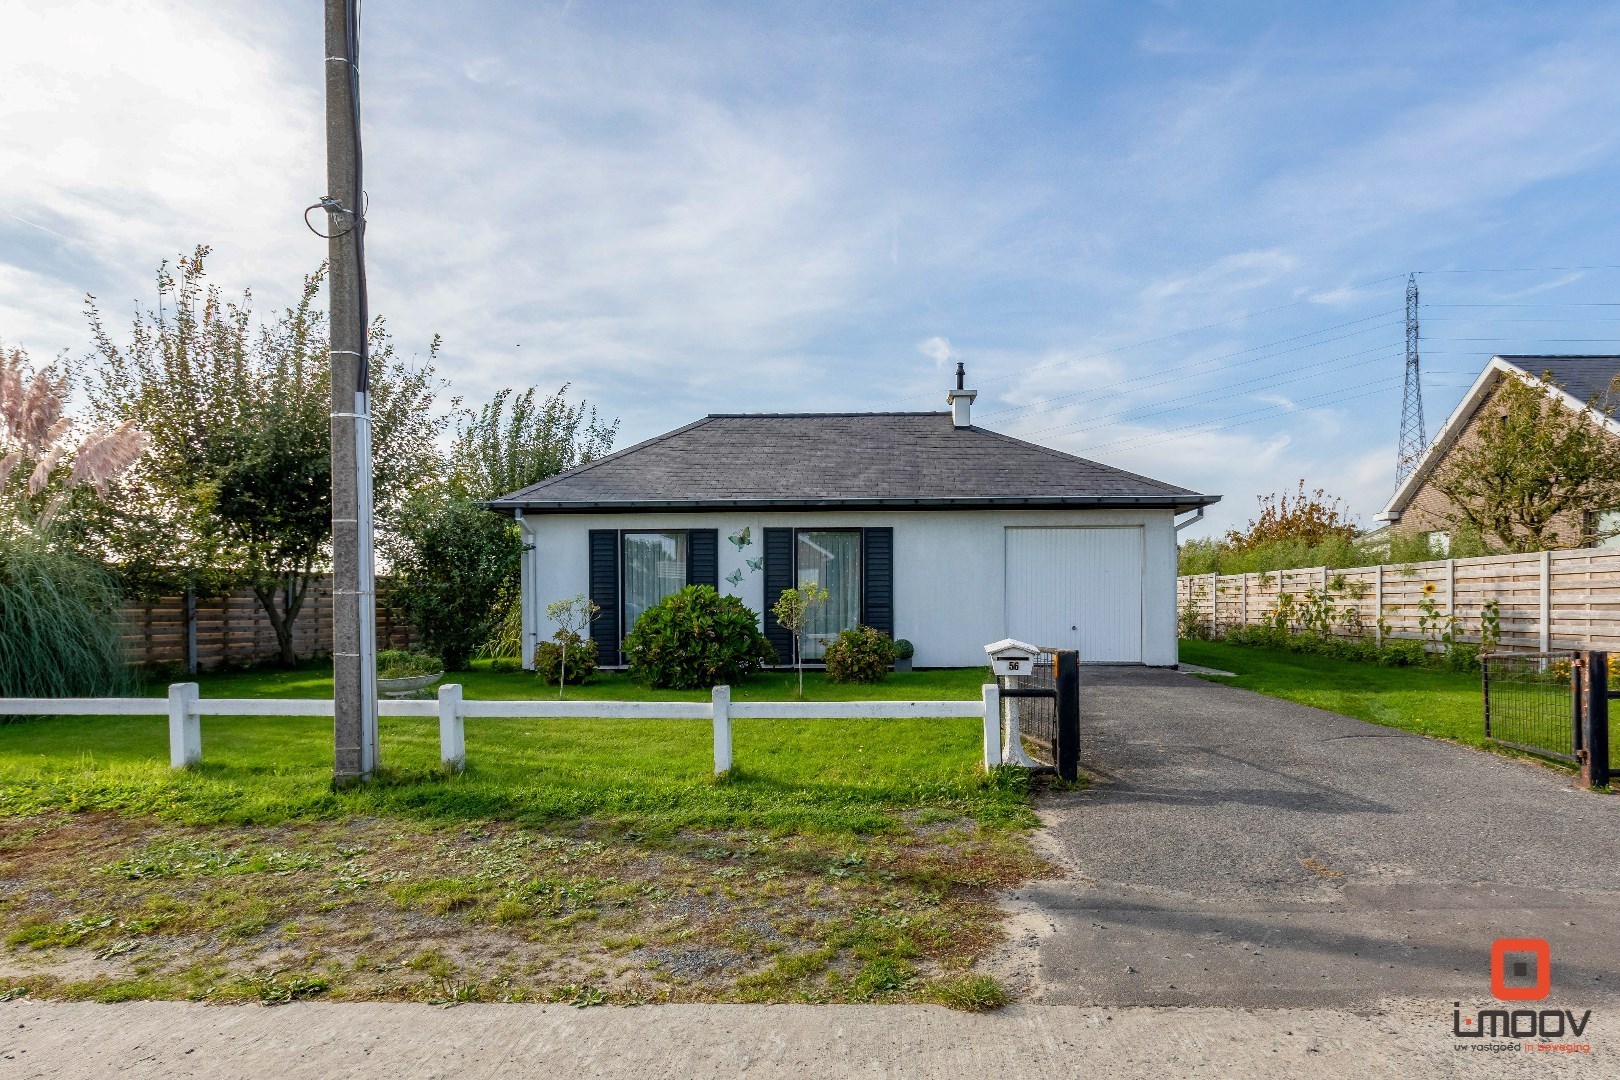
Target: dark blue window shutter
point(778, 579)
point(703, 558)
point(877, 569)
point(605, 594)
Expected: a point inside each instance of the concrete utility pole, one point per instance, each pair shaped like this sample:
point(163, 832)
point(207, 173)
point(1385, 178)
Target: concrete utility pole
point(354, 604)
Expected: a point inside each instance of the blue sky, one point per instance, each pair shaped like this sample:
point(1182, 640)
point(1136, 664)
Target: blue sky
point(1169, 236)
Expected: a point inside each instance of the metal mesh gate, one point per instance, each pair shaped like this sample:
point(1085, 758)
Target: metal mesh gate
point(1531, 702)
point(1033, 720)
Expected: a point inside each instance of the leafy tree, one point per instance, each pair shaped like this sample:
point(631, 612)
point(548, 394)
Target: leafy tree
point(235, 488)
point(515, 440)
point(1299, 528)
point(501, 449)
point(1531, 464)
point(454, 560)
point(1301, 517)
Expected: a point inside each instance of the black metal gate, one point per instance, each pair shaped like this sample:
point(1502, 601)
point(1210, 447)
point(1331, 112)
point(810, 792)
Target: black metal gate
point(1554, 704)
point(1040, 713)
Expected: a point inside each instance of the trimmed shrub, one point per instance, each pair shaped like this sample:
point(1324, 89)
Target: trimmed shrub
point(580, 654)
point(861, 655)
point(903, 649)
point(695, 639)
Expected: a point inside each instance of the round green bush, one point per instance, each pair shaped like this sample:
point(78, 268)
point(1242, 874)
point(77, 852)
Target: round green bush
point(861, 655)
point(903, 649)
point(549, 656)
point(695, 639)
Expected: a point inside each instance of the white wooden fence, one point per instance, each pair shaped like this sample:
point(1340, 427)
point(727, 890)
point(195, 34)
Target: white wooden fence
point(1545, 600)
point(185, 708)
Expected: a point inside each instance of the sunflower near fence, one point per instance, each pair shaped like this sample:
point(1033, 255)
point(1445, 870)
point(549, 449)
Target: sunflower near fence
point(1539, 601)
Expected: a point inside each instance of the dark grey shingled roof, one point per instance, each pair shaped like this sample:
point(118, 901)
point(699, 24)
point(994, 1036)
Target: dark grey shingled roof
point(784, 460)
point(1581, 377)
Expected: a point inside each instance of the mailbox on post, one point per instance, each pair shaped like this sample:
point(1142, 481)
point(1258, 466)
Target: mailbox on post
point(1010, 656)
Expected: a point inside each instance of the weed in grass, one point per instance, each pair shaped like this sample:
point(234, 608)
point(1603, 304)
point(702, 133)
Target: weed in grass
point(884, 975)
point(969, 993)
point(278, 991)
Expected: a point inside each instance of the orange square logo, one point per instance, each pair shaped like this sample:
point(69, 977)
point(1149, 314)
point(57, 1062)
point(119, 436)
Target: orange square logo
point(1521, 969)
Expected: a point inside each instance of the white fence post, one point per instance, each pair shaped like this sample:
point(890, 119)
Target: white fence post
point(452, 728)
point(721, 699)
point(992, 725)
point(185, 726)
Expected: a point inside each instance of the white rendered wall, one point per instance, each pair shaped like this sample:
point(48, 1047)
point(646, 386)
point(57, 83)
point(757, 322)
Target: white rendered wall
point(949, 568)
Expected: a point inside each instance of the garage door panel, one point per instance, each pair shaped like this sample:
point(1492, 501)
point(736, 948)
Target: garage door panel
point(1077, 588)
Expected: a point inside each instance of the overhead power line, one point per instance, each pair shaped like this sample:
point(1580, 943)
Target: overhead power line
point(1265, 381)
point(1164, 337)
point(1224, 422)
point(1164, 375)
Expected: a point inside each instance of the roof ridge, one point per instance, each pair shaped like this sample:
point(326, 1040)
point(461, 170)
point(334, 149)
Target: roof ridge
point(813, 415)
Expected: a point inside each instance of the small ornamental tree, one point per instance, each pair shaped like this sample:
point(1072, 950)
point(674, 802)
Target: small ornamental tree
point(794, 611)
point(1533, 463)
point(572, 616)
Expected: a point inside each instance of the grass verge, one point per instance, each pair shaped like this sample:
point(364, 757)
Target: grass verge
point(586, 862)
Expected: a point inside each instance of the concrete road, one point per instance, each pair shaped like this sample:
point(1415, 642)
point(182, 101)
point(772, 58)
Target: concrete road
point(1242, 850)
point(176, 1041)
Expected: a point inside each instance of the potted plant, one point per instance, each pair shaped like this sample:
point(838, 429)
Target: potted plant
point(400, 673)
point(903, 652)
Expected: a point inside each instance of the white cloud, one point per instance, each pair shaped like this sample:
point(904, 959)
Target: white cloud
point(937, 349)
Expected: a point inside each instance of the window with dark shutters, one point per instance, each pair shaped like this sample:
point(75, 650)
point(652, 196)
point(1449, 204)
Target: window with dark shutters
point(778, 545)
point(703, 558)
point(877, 562)
point(604, 584)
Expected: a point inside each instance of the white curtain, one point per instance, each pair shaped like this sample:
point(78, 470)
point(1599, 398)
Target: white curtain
point(654, 567)
point(830, 560)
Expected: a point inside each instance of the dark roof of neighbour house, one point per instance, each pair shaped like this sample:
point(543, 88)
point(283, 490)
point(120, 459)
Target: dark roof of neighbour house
point(804, 460)
point(1583, 378)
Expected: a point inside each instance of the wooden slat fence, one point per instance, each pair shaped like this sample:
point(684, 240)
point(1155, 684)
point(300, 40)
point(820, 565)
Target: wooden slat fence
point(233, 629)
point(1546, 600)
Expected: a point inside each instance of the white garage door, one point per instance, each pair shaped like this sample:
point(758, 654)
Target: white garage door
point(1077, 588)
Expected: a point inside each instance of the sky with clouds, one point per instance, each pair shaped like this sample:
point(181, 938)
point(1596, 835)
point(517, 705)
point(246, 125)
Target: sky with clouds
point(1170, 236)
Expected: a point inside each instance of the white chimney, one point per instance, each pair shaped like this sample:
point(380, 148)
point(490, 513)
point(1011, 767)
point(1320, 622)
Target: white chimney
point(961, 401)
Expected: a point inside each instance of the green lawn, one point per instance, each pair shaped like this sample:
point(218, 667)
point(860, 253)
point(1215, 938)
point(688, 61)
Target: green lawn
point(1445, 704)
point(834, 775)
point(583, 861)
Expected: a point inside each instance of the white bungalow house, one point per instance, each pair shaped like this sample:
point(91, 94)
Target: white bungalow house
point(918, 524)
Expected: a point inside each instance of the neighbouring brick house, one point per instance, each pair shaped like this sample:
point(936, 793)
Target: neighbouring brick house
point(1419, 507)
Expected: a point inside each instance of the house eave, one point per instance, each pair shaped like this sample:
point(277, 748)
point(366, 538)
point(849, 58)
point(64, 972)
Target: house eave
point(1176, 503)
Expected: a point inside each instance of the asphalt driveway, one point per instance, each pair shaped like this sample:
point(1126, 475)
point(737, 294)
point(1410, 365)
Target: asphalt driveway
point(1242, 850)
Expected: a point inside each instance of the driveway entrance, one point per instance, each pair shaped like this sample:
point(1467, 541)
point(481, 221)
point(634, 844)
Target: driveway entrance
point(1242, 850)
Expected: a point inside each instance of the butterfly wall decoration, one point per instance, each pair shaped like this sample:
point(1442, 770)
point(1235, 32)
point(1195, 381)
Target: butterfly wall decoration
point(742, 538)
